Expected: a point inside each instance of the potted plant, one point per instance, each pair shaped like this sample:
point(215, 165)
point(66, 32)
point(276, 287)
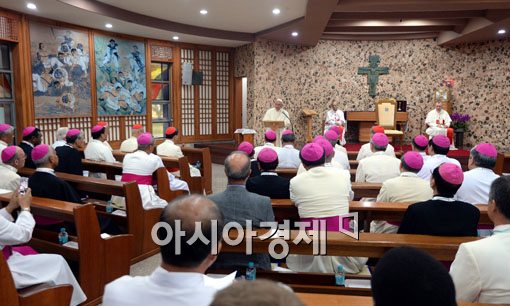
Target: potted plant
point(460, 124)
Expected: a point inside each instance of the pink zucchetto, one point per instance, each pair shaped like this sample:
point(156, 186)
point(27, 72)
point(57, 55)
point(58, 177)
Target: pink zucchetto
point(287, 132)
point(8, 153)
point(451, 173)
point(331, 135)
point(4, 127)
point(312, 152)
point(326, 145)
point(335, 128)
point(413, 160)
point(421, 141)
point(316, 138)
point(40, 151)
point(270, 135)
point(487, 149)
point(28, 130)
point(267, 155)
point(441, 141)
point(144, 139)
point(73, 132)
point(246, 147)
point(96, 128)
point(380, 140)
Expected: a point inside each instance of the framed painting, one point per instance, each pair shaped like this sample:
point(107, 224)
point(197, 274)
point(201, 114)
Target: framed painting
point(60, 71)
point(120, 76)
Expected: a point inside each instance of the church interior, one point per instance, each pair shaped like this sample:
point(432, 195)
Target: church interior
point(374, 128)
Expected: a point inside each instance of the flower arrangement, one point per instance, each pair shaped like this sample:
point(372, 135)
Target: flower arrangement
point(460, 121)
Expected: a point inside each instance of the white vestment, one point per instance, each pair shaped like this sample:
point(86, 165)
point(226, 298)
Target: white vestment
point(98, 151)
point(377, 168)
point(481, 272)
point(437, 122)
point(278, 115)
point(10, 180)
point(31, 270)
point(169, 149)
point(58, 143)
point(365, 151)
point(432, 162)
point(288, 157)
point(342, 159)
point(162, 288)
point(129, 145)
point(476, 185)
point(3, 145)
point(256, 150)
point(335, 118)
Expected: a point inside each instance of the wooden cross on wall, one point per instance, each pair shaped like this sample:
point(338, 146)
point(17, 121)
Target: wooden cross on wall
point(373, 72)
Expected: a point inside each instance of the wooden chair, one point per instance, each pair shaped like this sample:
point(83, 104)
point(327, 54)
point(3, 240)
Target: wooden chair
point(38, 295)
point(386, 114)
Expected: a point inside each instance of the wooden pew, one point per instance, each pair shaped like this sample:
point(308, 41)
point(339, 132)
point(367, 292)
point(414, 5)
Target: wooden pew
point(502, 163)
point(195, 184)
point(316, 299)
point(38, 295)
point(202, 155)
point(97, 266)
point(139, 221)
point(367, 211)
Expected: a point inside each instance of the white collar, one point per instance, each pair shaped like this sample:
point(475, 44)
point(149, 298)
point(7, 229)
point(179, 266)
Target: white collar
point(46, 170)
point(482, 169)
point(170, 141)
point(289, 146)
point(379, 153)
point(11, 168)
point(269, 144)
point(168, 279)
point(503, 228)
point(443, 199)
point(96, 140)
point(269, 173)
point(28, 143)
point(408, 174)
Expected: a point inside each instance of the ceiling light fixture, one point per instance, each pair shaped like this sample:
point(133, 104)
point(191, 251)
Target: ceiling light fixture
point(175, 37)
point(203, 12)
point(295, 34)
point(108, 25)
point(276, 11)
point(502, 31)
point(31, 6)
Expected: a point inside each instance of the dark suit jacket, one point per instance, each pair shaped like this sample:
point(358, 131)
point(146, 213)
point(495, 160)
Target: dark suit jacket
point(47, 185)
point(239, 205)
point(441, 218)
point(28, 152)
point(255, 171)
point(69, 160)
point(272, 186)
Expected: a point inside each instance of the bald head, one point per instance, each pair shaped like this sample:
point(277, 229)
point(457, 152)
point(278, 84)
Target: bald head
point(182, 214)
point(237, 167)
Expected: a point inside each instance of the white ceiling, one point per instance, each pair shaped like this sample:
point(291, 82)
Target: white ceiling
point(233, 15)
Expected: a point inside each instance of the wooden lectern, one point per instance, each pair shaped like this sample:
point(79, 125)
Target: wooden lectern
point(275, 126)
point(308, 113)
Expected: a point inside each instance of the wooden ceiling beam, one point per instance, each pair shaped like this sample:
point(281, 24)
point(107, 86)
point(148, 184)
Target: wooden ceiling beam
point(383, 29)
point(407, 15)
point(381, 36)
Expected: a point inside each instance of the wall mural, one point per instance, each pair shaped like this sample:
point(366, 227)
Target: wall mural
point(120, 76)
point(60, 71)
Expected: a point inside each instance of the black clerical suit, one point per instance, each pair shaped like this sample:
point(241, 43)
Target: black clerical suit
point(47, 185)
point(69, 160)
point(269, 184)
point(255, 171)
point(440, 217)
point(28, 152)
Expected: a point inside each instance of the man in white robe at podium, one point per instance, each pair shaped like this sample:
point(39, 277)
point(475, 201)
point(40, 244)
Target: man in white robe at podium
point(335, 117)
point(277, 113)
point(438, 122)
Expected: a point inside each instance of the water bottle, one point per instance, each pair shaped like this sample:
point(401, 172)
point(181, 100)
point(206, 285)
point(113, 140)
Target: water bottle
point(251, 271)
point(340, 276)
point(62, 236)
point(109, 207)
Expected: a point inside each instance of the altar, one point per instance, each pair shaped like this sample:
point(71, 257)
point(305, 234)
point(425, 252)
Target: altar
point(363, 121)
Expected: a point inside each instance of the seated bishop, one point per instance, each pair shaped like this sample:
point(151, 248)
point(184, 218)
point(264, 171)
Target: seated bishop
point(32, 137)
point(13, 159)
point(420, 144)
point(365, 150)
point(69, 155)
point(378, 167)
point(438, 148)
point(438, 122)
point(268, 183)
point(6, 136)
point(288, 156)
point(340, 156)
point(130, 145)
point(270, 139)
point(247, 148)
point(169, 149)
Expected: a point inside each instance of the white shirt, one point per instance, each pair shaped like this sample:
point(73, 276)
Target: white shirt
point(259, 148)
point(160, 288)
point(377, 168)
point(288, 157)
point(169, 148)
point(321, 192)
point(365, 151)
point(129, 145)
point(10, 179)
point(334, 118)
point(98, 151)
point(481, 272)
point(476, 185)
point(432, 163)
point(58, 143)
point(342, 159)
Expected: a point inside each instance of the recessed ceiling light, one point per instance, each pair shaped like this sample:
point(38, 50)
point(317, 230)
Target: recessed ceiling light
point(295, 34)
point(276, 11)
point(31, 6)
point(502, 31)
point(175, 37)
point(108, 25)
point(203, 12)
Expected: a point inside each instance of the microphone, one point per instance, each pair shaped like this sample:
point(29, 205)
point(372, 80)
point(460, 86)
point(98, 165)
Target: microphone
point(291, 126)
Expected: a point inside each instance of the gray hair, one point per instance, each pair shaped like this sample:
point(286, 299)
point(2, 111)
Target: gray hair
point(45, 159)
point(378, 148)
point(237, 174)
point(9, 131)
point(482, 161)
point(61, 133)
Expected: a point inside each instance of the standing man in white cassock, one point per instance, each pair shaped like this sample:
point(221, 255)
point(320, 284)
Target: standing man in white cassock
point(438, 122)
point(277, 113)
point(335, 117)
